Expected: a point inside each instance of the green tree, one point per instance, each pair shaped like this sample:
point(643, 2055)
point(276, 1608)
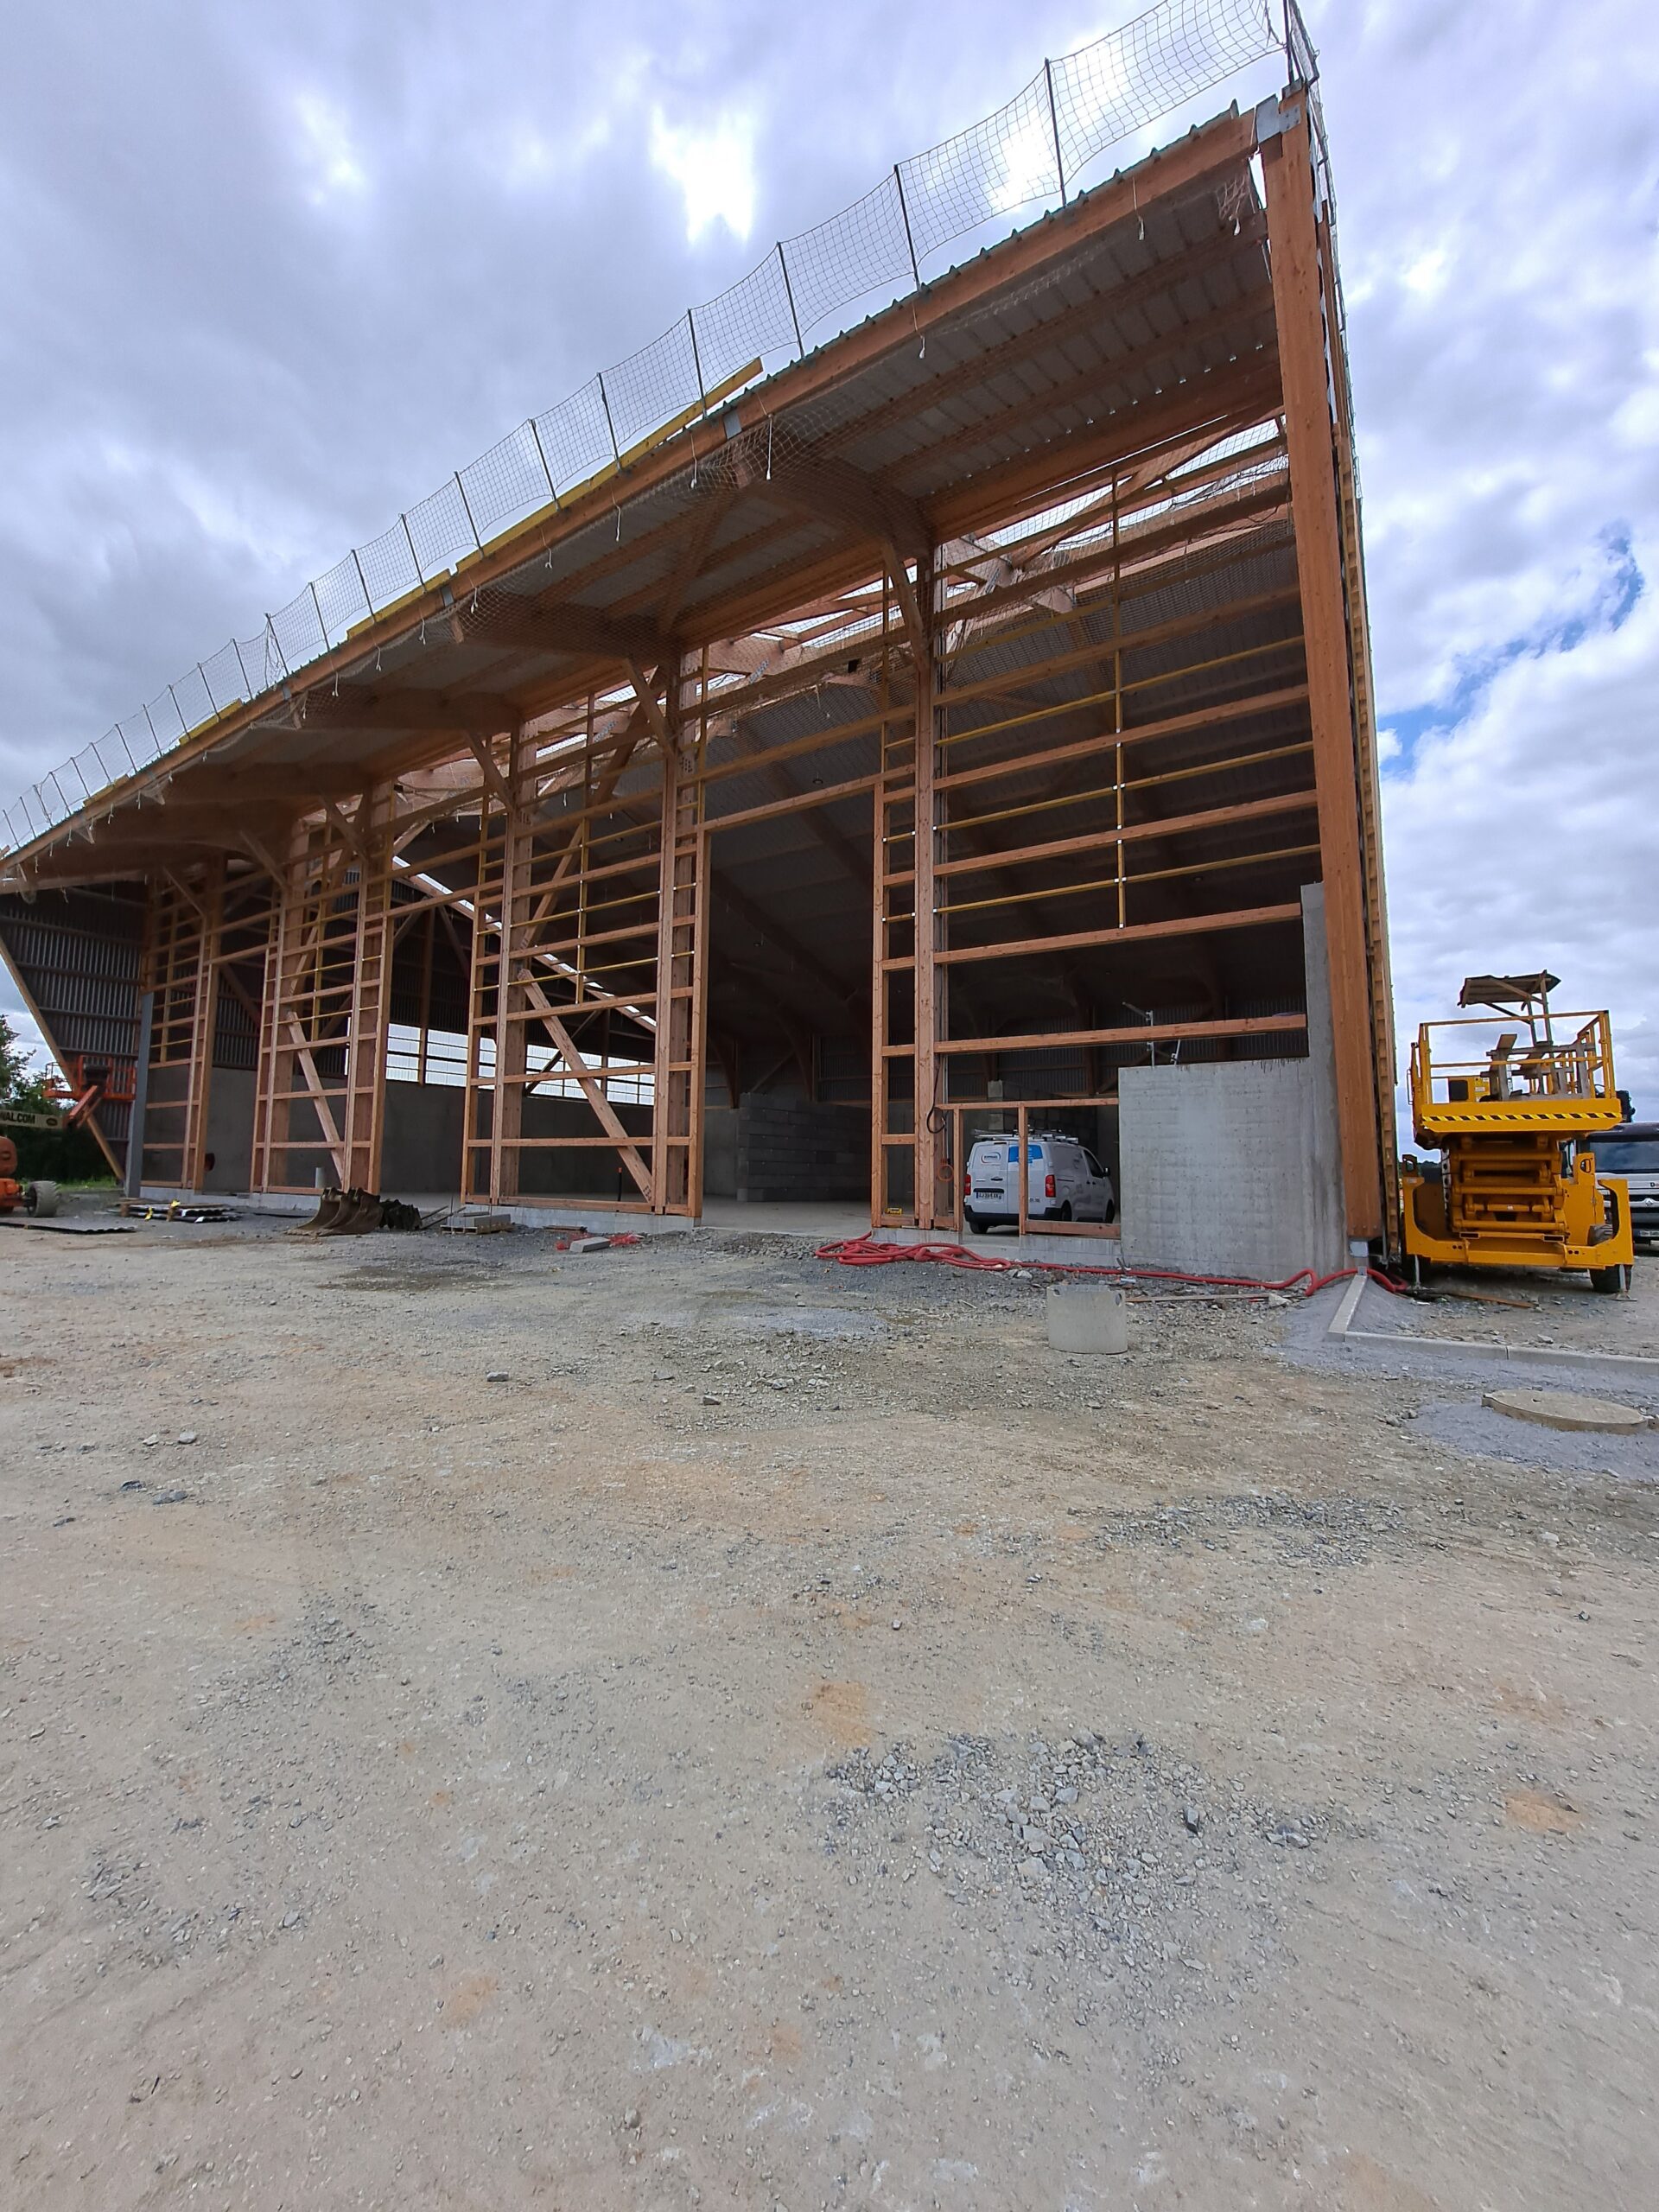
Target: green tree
point(62, 1155)
point(19, 1084)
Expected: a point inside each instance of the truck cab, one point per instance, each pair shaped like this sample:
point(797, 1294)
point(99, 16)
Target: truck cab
point(1632, 1151)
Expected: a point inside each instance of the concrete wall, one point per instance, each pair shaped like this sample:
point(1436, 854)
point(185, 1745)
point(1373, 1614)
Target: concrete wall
point(229, 1139)
point(229, 1129)
point(163, 1124)
point(1233, 1166)
point(420, 1139)
point(420, 1145)
point(587, 1172)
point(420, 1153)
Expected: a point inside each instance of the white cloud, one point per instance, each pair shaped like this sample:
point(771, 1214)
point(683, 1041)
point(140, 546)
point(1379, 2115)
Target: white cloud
point(1426, 275)
point(534, 153)
point(714, 169)
point(1027, 167)
point(1524, 837)
point(325, 144)
point(1504, 296)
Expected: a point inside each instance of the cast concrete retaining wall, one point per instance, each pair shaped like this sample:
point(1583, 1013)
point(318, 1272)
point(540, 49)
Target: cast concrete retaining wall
point(1232, 1167)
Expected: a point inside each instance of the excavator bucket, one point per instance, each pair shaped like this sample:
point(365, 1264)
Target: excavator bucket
point(359, 1211)
point(327, 1209)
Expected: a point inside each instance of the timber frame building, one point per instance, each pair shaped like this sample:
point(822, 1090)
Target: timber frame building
point(966, 727)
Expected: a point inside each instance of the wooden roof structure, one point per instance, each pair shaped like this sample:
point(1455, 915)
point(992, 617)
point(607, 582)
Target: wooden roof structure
point(1131, 415)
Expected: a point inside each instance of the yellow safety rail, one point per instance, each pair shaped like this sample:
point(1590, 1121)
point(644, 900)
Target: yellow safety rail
point(1490, 1075)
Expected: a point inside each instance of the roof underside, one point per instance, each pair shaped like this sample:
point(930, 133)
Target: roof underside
point(1141, 314)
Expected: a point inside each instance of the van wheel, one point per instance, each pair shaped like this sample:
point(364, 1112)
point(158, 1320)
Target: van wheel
point(1065, 1213)
point(972, 1223)
point(1609, 1280)
point(1111, 1210)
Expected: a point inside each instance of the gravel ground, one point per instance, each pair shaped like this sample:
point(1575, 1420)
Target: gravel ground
point(1556, 1311)
point(797, 1741)
point(1510, 1305)
point(1468, 1426)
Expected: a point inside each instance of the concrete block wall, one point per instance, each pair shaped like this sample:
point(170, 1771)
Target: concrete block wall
point(720, 1151)
point(1233, 1166)
point(796, 1149)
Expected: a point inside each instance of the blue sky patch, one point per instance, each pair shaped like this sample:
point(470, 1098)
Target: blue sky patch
point(1608, 607)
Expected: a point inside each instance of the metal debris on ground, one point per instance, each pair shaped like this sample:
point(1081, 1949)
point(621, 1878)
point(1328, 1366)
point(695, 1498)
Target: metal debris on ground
point(71, 1228)
point(176, 1210)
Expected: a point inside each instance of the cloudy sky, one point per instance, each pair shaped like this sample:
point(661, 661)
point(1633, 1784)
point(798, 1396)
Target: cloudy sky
point(272, 272)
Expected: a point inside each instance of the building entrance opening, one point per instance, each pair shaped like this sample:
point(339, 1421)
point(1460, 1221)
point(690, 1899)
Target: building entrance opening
point(787, 1023)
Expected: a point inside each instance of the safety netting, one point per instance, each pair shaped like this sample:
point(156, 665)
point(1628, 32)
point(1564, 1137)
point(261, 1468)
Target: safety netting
point(1036, 150)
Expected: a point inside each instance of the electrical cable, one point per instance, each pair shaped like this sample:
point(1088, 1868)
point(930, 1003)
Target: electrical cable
point(865, 1252)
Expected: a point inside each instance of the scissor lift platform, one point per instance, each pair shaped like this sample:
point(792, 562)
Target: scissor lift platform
point(1514, 1118)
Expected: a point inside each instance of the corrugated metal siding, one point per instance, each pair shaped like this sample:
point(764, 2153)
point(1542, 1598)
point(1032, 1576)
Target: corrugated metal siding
point(75, 954)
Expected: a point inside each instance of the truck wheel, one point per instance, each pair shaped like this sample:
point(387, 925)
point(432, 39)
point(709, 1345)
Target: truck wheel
point(1609, 1280)
point(41, 1200)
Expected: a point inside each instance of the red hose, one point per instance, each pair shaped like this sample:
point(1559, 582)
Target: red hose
point(865, 1252)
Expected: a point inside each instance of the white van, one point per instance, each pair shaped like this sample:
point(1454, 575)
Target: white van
point(1063, 1182)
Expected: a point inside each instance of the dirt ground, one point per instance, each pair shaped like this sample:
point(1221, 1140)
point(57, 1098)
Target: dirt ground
point(798, 1741)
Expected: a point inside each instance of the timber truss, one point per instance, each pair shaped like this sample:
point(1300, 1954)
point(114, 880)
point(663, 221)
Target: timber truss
point(958, 718)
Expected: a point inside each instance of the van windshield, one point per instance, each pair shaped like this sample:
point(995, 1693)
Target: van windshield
point(1627, 1155)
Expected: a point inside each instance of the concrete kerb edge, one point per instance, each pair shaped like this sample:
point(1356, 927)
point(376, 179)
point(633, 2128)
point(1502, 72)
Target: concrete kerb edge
point(1342, 1330)
point(1342, 1320)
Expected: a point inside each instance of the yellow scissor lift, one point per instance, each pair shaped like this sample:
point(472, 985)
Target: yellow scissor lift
point(1514, 1121)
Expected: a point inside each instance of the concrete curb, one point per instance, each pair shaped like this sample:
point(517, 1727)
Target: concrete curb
point(1342, 1330)
point(1342, 1320)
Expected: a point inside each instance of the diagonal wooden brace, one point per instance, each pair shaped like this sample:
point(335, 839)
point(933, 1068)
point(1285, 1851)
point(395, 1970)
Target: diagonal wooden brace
point(592, 1089)
point(308, 1067)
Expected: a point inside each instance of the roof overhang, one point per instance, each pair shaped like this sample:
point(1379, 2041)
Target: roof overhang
point(1141, 312)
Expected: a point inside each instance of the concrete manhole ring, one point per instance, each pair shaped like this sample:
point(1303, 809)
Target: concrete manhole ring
point(1564, 1409)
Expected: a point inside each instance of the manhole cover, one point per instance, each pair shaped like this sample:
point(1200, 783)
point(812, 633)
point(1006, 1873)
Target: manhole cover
point(1562, 1409)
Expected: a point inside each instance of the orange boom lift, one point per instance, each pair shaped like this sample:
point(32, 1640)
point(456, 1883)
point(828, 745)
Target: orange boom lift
point(41, 1198)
